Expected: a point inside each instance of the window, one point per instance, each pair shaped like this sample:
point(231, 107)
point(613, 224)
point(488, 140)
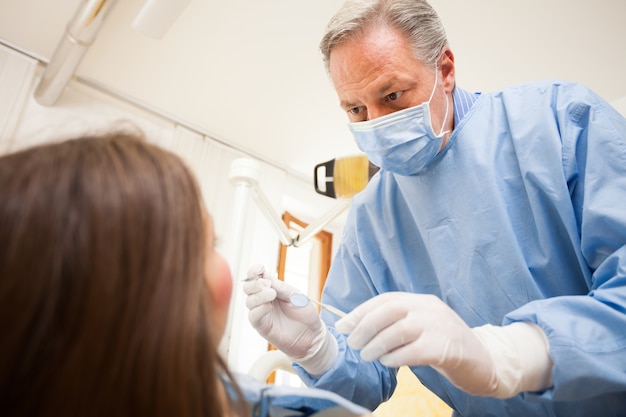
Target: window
point(305, 267)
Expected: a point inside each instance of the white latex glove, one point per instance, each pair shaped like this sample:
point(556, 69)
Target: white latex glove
point(297, 331)
point(400, 328)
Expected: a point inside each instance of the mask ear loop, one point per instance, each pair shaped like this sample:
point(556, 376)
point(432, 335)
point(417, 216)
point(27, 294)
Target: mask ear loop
point(432, 94)
point(445, 118)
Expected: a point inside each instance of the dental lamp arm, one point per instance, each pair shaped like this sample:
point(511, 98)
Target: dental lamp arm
point(312, 229)
point(270, 214)
point(243, 175)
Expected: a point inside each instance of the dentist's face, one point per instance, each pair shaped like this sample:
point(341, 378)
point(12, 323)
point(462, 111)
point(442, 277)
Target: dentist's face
point(376, 73)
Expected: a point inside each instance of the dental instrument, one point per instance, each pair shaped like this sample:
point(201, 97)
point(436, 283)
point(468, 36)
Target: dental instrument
point(301, 300)
point(252, 278)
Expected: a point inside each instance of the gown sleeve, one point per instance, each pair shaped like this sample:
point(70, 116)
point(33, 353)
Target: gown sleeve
point(587, 333)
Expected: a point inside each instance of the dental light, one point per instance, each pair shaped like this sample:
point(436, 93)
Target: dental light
point(153, 20)
point(79, 34)
point(157, 16)
point(343, 177)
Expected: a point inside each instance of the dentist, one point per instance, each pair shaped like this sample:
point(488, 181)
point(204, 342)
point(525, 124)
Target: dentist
point(489, 252)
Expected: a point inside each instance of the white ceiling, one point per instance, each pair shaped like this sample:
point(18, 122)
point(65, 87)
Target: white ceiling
point(249, 73)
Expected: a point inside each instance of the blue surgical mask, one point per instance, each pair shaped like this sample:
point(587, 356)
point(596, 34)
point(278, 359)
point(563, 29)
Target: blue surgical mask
point(402, 142)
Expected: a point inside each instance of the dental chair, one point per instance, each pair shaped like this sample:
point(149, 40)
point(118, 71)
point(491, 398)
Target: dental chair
point(269, 362)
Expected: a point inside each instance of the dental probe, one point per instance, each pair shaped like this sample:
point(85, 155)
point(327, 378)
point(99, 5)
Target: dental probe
point(300, 300)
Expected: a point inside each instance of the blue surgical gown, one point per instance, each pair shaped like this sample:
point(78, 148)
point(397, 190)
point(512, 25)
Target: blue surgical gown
point(268, 400)
point(522, 217)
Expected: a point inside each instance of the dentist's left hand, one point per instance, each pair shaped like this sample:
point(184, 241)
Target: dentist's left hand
point(400, 328)
point(297, 331)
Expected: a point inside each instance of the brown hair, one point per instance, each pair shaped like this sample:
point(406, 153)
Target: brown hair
point(103, 300)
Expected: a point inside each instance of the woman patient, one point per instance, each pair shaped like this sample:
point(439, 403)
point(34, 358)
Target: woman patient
point(112, 297)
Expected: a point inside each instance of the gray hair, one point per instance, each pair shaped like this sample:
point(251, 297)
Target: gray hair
point(415, 18)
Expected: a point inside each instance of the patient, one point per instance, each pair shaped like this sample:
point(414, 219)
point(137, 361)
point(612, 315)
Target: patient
point(112, 297)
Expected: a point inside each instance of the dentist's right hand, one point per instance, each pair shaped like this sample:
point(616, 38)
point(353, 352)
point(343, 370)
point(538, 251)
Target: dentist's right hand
point(297, 331)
